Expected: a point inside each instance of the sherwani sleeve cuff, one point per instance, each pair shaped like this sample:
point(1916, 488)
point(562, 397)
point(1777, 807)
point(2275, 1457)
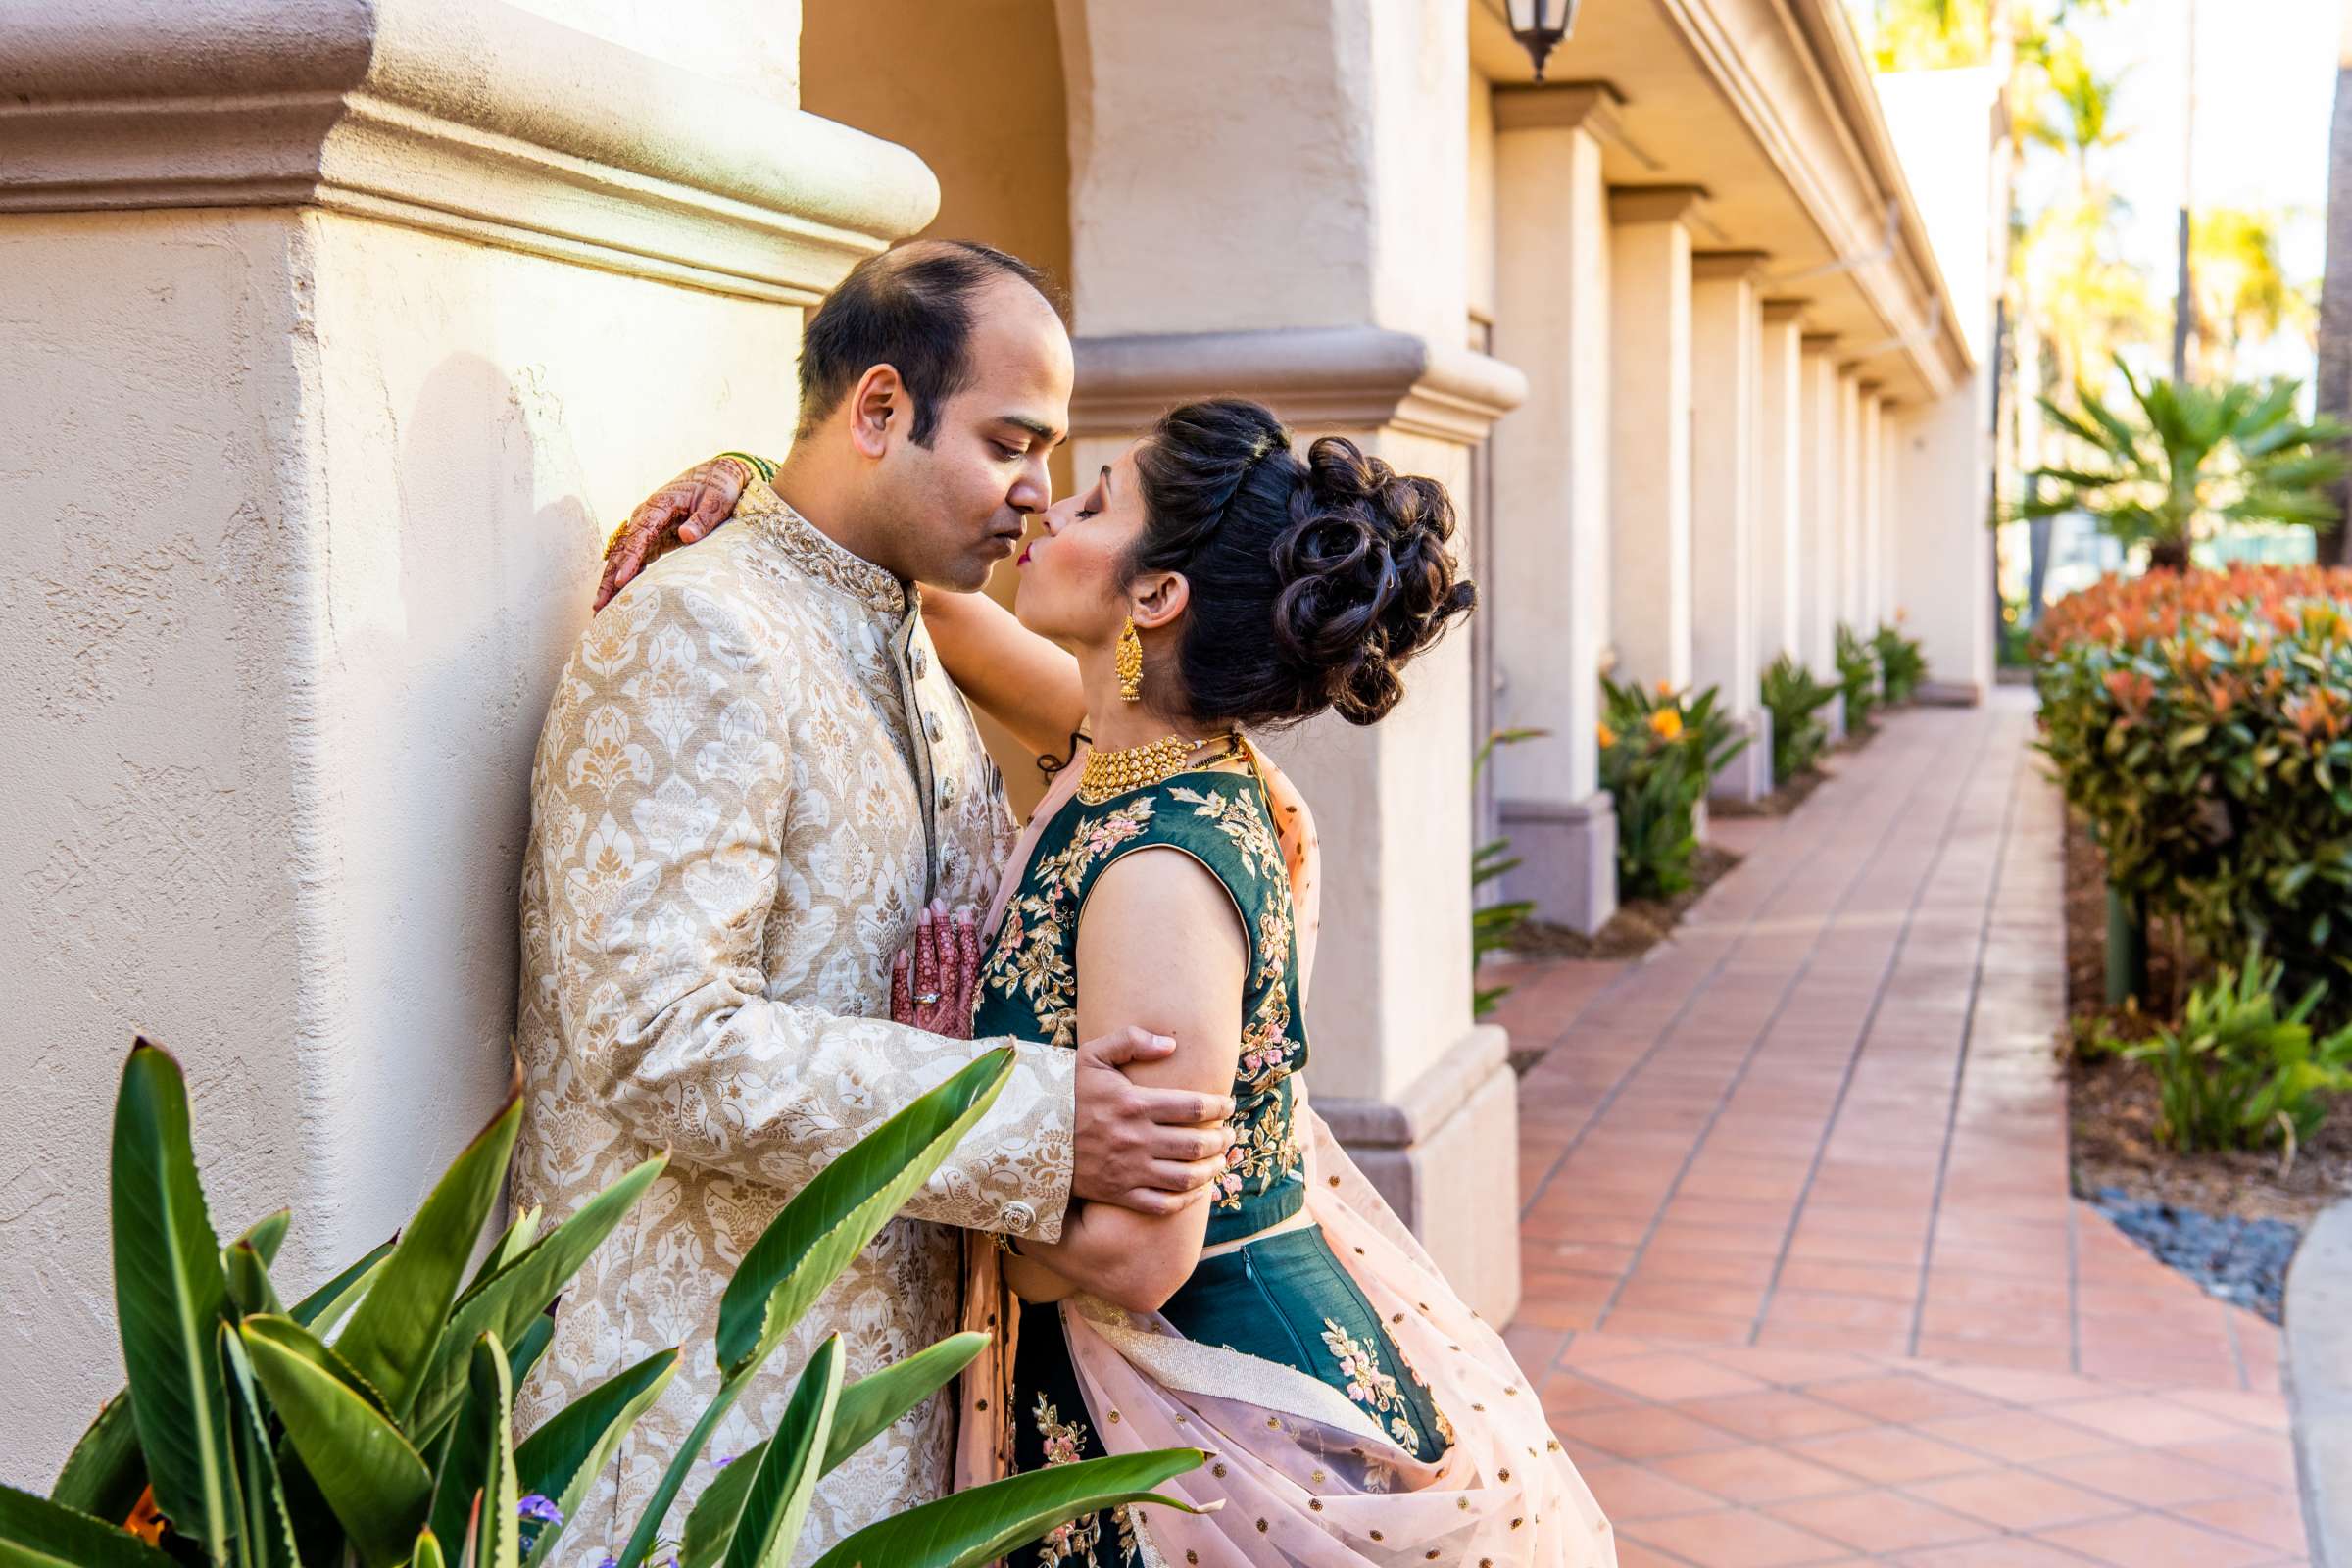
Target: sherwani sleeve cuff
point(1012, 1172)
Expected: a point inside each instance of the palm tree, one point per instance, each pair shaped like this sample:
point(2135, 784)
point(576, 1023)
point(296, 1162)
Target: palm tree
point(2189, 459)
point(1929, 35)
point(2242, 292)
point(2334, 384)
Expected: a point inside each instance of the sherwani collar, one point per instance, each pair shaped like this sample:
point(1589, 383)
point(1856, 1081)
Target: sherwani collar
point(773, 519)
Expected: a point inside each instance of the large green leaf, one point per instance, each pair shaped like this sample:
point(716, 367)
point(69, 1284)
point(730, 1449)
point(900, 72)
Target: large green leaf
point(498, 1526)
point(505, 1304)
point(248, 1286)
point(969, 1528)
point(169, 1294)
point(524, 1356)
point(460, 1467)
point(829, 1221)
point(428, 1551)
point(37, 1532)
point(106, 1472)
point(561, 1461)
point(865, 1407)
point(267, 1234)
point(266, 1530)
point(295, 1339)
point(367, 1472)
point(778, 1497)
point(510, 1245)
point(682, 1465)
point(324, 1307)
point(392, 1335)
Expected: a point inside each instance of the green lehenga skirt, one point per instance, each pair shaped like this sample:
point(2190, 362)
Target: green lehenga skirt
point(1285, 1299)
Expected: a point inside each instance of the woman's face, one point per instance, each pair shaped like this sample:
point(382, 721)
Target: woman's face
point(1074, 587)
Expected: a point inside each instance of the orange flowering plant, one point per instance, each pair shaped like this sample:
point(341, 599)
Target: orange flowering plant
point(1660, 750)
point(2203, 723)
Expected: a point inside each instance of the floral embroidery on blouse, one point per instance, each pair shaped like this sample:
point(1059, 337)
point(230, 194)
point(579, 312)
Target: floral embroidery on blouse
point(1074, 1540)
point(1261, 856)
point(1265, 1150)
point(1031, 958)
point(1370, 1386)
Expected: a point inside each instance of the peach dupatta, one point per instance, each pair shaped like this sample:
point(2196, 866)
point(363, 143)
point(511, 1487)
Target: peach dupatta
point(1298, 1477)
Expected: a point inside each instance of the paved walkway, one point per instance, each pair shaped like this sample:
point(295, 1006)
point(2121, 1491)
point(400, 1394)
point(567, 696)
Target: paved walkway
point(1803, 1271)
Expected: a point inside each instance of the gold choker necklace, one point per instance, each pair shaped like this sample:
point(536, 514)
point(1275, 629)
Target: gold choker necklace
point(1111, 773)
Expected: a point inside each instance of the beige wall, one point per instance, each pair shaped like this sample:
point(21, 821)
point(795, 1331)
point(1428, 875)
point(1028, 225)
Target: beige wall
point(279, 685)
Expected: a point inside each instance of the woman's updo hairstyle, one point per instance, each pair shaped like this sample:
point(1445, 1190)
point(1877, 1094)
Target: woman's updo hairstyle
point(1311, 583)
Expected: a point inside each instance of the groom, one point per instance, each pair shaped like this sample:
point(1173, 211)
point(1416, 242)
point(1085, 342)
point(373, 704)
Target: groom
point(753, 776)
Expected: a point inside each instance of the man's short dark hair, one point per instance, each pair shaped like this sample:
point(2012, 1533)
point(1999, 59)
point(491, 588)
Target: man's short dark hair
point(909, 308)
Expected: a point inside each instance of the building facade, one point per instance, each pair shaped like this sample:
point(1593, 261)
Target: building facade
point(339, 336)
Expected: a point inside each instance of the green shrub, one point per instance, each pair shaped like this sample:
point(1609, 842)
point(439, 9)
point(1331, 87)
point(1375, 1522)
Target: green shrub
point(1794, 696)
point(2202, 722)
point(1857, 678)
point(2235, 1074)
point(1659, 752)
point(1902, 663)
point(255, 1435)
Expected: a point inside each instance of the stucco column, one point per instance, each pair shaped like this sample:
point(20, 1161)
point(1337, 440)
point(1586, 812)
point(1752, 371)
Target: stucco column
point(1850, 471)
point(355, 329)
point(1343, 307)
point(1944, 570)
point(1726, 368)
point(1871, 519)
point(1649, 432)
point(1780, 481)
point(1547, 586)
point(1819, 501)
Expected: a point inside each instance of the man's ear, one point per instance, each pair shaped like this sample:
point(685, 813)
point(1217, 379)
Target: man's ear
point(1157, 598)
point(880, 408)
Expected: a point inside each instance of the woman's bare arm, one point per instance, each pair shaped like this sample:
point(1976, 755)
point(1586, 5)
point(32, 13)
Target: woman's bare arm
point(1160, 945)
point(1019, 678)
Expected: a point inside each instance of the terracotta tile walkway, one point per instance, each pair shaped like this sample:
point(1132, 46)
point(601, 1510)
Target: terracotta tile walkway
point(1803, 1271)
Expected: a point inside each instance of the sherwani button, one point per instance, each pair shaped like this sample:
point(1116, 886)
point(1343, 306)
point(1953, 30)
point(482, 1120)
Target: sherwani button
point(1019, 1218)
point(923, 666)
point(932, 727)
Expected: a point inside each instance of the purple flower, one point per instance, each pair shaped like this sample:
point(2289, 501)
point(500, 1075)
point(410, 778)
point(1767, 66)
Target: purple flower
point(539, 1510)
point(724, 1461)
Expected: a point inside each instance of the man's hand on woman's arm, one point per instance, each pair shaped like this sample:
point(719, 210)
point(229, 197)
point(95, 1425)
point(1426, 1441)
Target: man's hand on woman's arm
point(1154, 1151)
point(680, 513)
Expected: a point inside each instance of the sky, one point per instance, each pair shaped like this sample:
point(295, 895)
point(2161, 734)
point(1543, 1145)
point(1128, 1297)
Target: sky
point(2265, 89)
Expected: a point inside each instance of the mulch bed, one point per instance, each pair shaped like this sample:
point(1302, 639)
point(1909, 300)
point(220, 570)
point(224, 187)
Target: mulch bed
point(1637, 927)
point(2113, 1103)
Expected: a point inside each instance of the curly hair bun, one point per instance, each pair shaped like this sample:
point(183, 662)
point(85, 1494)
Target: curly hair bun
point(1368, 579)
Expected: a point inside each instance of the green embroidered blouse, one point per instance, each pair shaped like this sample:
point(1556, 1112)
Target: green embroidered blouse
point(1029, 981)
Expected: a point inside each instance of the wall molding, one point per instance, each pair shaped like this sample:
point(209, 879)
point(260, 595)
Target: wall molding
point(471, 118)
point(1343, 377)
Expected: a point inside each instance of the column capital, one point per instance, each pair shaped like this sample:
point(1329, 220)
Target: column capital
point(473, 119)
point(1348, 377)
point(1557, 106)
point(1653, 204)
point(1783, 313)
point(1724, 267)
point(1818, 342)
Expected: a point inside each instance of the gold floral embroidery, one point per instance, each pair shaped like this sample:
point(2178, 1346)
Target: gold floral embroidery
point(1370, 1386)
point(1031, 959)
point(772, 518)
point(1074, 1540)
point(1237, 817)
point(1264, 1149)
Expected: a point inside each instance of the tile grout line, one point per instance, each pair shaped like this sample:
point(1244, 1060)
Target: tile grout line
point(1968, 1034)
point(1895, 819)
point(1633, 1069)
point(1829, 1126)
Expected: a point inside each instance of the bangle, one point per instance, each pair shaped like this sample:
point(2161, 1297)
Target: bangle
point(761, 470)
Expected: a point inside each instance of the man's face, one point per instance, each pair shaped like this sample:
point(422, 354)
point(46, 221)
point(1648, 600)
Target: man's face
point(958, 505)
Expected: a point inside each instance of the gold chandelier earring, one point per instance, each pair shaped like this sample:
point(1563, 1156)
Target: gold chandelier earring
point(1128, 661)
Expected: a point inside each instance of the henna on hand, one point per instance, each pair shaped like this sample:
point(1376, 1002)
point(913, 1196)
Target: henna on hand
point(680, 513)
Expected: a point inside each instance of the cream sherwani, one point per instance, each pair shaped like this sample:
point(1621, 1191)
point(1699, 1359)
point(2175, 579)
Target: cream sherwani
point(753, 776)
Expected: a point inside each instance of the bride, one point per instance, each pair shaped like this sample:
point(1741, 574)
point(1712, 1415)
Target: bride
point(1208, 583)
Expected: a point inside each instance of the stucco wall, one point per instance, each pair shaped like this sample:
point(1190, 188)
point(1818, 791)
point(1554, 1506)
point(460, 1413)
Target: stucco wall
point(310, 507)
